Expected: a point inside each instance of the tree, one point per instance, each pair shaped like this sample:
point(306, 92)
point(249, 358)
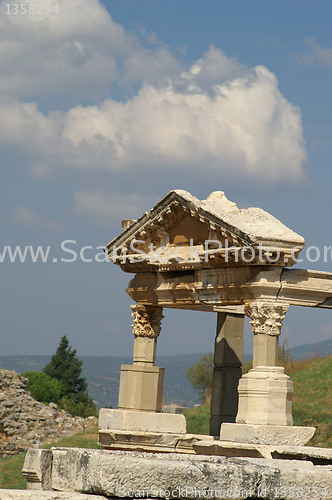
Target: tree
point(44, 388)
point(200, 376)
point(66, 367)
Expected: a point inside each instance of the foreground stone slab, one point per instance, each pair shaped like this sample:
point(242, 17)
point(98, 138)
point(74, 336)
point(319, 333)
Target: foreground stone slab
point(266, 434)
point(144, 421)
point(45, 495)
point(130, 474)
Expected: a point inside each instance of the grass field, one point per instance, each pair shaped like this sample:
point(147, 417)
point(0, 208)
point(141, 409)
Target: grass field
point(312, 402)
point(312, 405)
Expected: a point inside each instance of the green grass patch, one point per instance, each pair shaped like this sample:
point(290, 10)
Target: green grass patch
point(312, 402)
point(11, 466)
point(84, 439)
point(198, 420)
point(10, 472)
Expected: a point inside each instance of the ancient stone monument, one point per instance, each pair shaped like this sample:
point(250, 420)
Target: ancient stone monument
point(211, 256)
point(208, 256)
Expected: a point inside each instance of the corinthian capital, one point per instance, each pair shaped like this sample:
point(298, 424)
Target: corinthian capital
point(267, 317)
point(147, 320)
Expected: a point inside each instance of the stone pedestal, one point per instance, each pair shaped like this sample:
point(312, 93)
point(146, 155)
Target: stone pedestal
point(144, 431)
point(127, 420)
point(265, 397)
point(228, 355)
point(267, 435)
point(141, 388)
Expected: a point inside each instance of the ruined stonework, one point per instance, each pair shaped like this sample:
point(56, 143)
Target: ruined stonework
point(26, 423)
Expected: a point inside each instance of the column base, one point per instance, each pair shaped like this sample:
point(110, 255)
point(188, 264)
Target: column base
point(141, 387)
point(141, 421)
point(144, 431)
point(265, 397)
point(266, 434)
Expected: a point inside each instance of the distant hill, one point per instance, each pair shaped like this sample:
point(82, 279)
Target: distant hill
point(323, 348)
point(103, 372)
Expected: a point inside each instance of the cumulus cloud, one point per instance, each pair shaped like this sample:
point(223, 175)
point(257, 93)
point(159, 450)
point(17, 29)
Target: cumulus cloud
point(315, 55)
point(80, 51)
point(107, 207)
point(216, 114)
point(28, 218)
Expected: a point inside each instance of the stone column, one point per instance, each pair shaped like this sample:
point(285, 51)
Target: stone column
point(266, 324)
point(228, 356)
point(138, 423)
point(265, 392)
point(141, 384)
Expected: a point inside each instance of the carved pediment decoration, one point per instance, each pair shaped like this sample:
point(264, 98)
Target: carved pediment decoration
point(184, 233)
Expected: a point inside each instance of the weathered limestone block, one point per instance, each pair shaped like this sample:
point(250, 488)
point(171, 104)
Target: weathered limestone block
point(128, 420)
point(131, 474)
point(231, 449)
point(318, 456)
point(150, 441)
point(266, 434)
point(265, 397)
point(37, 469)
point(141, 387)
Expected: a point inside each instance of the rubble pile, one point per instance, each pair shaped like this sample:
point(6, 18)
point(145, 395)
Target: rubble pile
point(27, 423)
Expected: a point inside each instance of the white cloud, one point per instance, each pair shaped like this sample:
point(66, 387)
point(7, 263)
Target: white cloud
point(216, 115)
point(109, 207)
point(315, 55)
point(80, 51)
point(25, 217)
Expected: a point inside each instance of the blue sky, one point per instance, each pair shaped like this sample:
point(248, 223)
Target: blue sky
point(107, 106)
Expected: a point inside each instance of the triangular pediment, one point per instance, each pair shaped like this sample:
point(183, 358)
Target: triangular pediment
point(183, 232)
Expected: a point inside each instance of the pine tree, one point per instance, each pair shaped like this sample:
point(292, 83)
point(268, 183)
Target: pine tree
point(66, 367)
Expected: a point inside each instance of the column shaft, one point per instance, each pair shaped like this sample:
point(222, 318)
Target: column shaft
point(228, 356)
point(265, 392)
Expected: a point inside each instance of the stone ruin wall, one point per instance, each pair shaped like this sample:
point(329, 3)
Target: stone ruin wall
point(27, 423)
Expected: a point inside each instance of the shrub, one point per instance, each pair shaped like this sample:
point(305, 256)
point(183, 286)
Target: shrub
point(44, 388)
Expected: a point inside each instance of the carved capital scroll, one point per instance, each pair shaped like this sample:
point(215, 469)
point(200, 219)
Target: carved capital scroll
point(267, 317)
point(147, 320)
